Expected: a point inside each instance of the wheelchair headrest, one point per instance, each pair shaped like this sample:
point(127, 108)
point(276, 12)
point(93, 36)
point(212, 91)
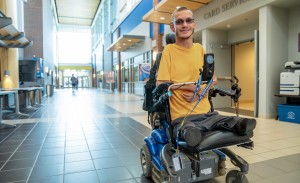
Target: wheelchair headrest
point(170, 38)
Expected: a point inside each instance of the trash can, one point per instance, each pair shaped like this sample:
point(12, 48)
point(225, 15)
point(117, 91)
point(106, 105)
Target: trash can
point(38, 96)
point(49, 90)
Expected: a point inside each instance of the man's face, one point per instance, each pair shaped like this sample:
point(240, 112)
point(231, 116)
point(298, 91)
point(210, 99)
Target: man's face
point(183, 24)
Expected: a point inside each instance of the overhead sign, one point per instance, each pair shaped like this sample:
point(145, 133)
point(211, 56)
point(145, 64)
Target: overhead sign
point(223, 8)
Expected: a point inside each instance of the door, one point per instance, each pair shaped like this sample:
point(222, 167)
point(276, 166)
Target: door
point(67, 82)
point(256, 76)
point(244, 69)
point(83, 82)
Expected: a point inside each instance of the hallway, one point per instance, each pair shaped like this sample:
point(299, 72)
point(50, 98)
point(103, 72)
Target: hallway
point(95, 136)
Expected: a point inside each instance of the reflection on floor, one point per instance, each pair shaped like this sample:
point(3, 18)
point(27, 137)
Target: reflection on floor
point(95, 136)
point(233, 111)
point(246, 105)
point(245, 108)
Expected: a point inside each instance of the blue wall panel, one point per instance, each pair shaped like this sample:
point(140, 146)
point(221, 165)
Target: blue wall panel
point(135, 17)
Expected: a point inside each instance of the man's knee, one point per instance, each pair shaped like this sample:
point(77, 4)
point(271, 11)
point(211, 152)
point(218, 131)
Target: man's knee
point(189, 133)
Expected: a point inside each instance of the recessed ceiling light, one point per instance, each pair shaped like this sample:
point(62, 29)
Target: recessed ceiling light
point(124, 44)
point(129, 40)
point(162, 18)
point(228, 25)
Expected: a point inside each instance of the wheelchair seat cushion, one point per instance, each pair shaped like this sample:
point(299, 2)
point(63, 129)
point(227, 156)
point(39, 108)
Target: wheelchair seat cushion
point(217, 139)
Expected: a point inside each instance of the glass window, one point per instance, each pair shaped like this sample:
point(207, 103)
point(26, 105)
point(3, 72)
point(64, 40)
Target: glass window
point(125, 71)
point(113, 13)
point(106, 18)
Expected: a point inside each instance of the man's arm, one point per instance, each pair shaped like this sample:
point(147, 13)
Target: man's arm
point(189, 87)
point(189, 95)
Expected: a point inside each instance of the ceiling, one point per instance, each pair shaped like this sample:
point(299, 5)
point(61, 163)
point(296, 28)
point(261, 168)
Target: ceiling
point(248, 18)
point(125, 42)
point(10, 37)
point(79, 12)
point(162, 12)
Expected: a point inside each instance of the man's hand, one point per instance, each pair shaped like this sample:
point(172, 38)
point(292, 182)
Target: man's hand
point(188, 96)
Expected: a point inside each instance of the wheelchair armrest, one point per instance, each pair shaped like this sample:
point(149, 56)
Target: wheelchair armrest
point(163, 87)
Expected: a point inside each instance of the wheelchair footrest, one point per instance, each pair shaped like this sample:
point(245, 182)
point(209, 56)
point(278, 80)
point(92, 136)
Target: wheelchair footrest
point(218, 139)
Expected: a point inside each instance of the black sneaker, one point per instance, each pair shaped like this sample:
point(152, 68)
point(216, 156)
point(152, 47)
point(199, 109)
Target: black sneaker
point(245, 125)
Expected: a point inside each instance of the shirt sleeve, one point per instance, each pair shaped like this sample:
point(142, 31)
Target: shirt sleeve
point(164, 71)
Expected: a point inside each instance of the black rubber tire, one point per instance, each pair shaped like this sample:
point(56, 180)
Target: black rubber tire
point(234, 176)
point(145, 158)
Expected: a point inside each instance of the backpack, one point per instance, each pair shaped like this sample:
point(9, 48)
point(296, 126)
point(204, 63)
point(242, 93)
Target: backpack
point(150, 86)
point(151, 83)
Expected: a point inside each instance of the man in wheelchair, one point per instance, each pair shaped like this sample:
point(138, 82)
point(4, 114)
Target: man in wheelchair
point(181, 63)
point(191, 146)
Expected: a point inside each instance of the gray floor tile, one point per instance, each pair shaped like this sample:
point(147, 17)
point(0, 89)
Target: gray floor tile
point(18, 164)
point(52, 179)
point(283, 164)
point(108, 162)
point(15, 175)
point(47, 171)
point(50, 160)
point(263, 170)
point(103, 153)
point(74, 144)
point(79, 166)
point(90, 177)
point(114, 174)
point(77, 157)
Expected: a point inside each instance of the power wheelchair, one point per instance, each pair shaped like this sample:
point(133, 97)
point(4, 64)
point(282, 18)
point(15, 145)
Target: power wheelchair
point(165, 158)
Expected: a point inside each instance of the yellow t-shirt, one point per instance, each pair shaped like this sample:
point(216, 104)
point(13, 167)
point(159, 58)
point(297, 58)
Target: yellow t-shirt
point(179, 64)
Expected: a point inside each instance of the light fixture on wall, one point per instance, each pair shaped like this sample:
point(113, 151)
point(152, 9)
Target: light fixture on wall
point(6, 71)
point(47, 71)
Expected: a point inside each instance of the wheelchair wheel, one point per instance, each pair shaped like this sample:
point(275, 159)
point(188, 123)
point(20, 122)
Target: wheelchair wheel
point(145, 158)
point(235, 176)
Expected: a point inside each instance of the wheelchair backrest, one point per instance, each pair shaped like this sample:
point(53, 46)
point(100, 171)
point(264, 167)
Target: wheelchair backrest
point(151, 83)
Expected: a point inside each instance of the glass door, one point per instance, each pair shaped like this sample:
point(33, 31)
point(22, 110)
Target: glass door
point(67, 82)
point(83, 82)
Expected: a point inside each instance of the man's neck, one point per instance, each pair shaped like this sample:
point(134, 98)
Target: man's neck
point(187, 43)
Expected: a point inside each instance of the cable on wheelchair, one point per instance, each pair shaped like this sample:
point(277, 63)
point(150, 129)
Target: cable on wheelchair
point(198, 101)
point(198, 85)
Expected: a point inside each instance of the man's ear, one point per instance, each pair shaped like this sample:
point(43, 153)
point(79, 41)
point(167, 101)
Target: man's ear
point(172, 27)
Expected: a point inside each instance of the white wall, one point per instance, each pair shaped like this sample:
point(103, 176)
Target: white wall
point(240, 8)
point(273, 52)
point(294, 31)
point(212, 40)
point(49, 39)
point(140, 30)
point(241, 34)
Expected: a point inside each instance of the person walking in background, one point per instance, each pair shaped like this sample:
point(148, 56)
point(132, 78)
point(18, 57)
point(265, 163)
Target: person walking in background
point(73, 82)
point(76, 83)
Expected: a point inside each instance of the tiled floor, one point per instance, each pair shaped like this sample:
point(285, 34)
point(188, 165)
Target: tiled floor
point(95, 136)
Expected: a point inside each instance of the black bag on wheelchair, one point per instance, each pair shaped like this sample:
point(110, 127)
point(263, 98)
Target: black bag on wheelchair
point(150, 86)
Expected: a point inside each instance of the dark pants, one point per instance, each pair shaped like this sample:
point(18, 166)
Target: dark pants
point(209, 121)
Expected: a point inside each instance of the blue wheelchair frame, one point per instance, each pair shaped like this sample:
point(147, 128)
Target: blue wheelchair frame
point(161, 142)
